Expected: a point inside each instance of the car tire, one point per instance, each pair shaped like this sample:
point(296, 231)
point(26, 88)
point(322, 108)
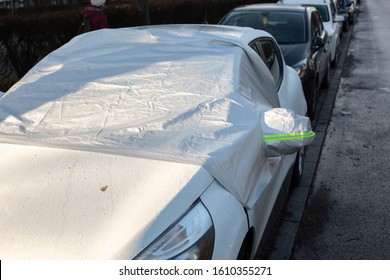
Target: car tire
point(333, 64)
point(326, 80)
point(298, 168)
point(245, 250)
point(351, 19)
point(345, 26)
point(312, 103)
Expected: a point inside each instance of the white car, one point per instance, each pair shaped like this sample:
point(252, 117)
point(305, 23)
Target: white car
point(331, 20)
point(157, 142)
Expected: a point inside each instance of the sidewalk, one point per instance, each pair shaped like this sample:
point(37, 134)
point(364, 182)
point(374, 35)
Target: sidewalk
point(347, 215)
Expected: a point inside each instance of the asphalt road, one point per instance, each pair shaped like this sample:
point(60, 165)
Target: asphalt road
point(341, 210)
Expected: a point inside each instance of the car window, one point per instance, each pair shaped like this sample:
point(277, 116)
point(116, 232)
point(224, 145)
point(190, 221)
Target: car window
point(271, 56)
point(285, 26)
point(324, 12)
point(333, 9)
point(316, 27)
point(242, 18)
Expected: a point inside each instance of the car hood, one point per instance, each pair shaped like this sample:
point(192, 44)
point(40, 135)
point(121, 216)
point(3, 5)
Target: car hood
point(293, 54)
point(66, 204)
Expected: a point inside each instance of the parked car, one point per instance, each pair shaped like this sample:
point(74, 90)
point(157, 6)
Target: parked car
point(341, 10)
point(330, 20)
point(351, 9)
point(348, 7)
point(356, 5)
point(336, 11)
point(155, 142)
point(302, 39)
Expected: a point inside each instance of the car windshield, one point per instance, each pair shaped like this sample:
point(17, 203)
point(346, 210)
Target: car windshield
point(323, 10)
point(287, 27)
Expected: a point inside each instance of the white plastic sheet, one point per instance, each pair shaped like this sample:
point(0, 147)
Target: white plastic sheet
point(285, 132)
point(185, 95)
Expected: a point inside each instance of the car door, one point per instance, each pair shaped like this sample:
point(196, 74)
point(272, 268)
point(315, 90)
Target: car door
point(319, 45)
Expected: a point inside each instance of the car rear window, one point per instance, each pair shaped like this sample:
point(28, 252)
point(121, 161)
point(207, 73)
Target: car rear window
point(324, 12)
point(287, 27)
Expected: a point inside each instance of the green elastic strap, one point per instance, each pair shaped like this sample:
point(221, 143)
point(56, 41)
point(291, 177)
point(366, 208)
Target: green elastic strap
point(288, 137)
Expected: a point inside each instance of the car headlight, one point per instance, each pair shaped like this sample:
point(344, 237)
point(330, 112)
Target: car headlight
point(190, 238)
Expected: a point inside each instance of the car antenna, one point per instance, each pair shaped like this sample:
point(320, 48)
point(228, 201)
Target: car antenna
point(205, 12)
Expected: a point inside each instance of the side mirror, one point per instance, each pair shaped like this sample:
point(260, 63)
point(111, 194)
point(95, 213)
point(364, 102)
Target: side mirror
point(285, 132)
point(319, 42)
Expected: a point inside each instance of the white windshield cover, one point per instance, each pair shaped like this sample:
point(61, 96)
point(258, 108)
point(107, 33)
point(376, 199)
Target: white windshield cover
point(177, 95)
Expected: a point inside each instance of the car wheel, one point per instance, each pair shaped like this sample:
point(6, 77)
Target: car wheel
point(245, 250)
point(312, 103)
point(326, 80)
point(336, 57)
point(345, 26)
point(351, 19)
point(298, 168)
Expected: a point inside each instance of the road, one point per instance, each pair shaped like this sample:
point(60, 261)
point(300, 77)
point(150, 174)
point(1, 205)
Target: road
point(347, 215)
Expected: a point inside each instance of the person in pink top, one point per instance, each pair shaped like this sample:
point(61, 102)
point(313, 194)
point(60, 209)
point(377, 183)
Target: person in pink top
point(95, 11)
